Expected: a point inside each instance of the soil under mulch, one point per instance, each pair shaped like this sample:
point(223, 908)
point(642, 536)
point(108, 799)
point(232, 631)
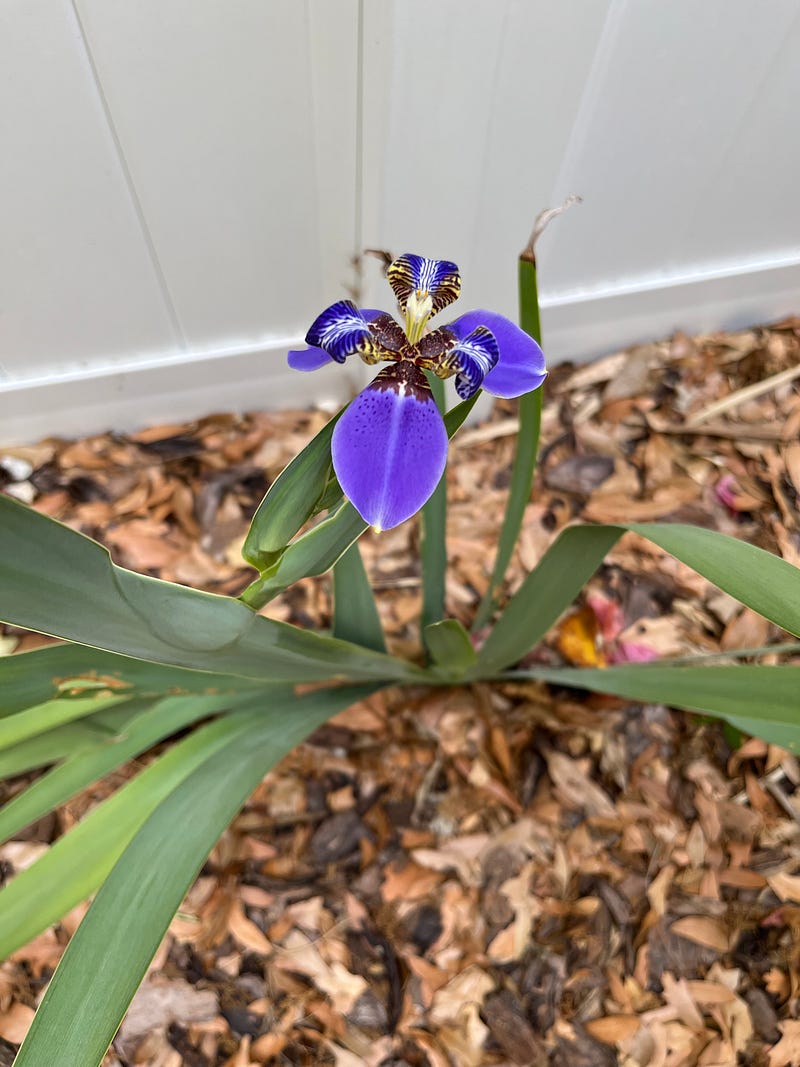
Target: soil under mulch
point(497, 875)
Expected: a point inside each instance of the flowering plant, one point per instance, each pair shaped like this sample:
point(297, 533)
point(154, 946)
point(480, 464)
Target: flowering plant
point(144, 660)
point(389, 449)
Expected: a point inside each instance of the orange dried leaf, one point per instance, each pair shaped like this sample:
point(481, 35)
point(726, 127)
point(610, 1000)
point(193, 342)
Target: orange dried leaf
point(611, 1029)
point(578, 639)
point(410, 882)
point(703, 930)
point(246, 932)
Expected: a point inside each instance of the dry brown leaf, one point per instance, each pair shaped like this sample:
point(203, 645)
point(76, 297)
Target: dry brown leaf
point(41, 954)
point(703, 930)
point(144, 545)
point(612, 1029)
point(678, 995)
point(411, 882)
point(658, 890)
point(747, 629)
point(301, 955)
point(791, 457)
point(618, 507)
point(22, 854)
point(741, 878)
point(431, 977)
point(15, 1023)
point(247, 933)
point(785, 886)
point(707, 992)
point(576, 788)
point(159, 1003)
point(467, 988)
point(787, 1051)
point(465, 1037)
point(461, 855)
point(776, 982)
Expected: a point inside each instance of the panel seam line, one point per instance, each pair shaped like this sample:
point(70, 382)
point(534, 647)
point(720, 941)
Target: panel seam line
point(358, 192)
point(147, 236)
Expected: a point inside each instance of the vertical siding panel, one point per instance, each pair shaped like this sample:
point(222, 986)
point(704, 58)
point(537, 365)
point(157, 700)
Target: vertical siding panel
point(668, 158)
point(75, 276)
point(214, 107)
point(479, 105)
point(335, 67)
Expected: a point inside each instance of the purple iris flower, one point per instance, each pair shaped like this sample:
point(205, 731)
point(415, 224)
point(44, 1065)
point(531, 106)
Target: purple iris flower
point(389, 448)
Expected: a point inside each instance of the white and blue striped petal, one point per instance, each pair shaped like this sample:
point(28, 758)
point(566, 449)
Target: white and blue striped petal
point(341, 331)
point(473, 358)
point(470, 356)
point(438, 278)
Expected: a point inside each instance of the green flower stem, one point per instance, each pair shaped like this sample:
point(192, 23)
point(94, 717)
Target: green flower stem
point(530, 420)
point(433, 549)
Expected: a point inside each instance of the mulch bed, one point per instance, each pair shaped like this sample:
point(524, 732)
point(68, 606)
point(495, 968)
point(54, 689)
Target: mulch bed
point(497, 875)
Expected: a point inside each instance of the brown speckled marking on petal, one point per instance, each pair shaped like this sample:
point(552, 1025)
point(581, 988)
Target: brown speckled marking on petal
point(432, 352)
point(390, 334)
point(404, 374)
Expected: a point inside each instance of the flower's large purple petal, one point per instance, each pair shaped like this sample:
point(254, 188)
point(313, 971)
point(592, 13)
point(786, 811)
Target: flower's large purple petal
point(308, 358)
point(389, 448)
point(520, 367)
point(438, 277)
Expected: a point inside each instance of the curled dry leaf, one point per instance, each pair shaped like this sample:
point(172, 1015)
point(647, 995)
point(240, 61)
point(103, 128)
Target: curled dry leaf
point(15, 1023)
point(703, 930)
point(613, 1029)
point(576, 788)
point(787, 1051)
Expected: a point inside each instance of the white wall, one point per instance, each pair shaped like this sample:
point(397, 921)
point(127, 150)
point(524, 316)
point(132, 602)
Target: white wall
point(177, 196)
point(183, 183)
point(675, 120)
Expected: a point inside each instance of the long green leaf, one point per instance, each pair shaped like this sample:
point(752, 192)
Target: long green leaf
point(70, 739)
point(91, 763)
point(58, 582)
point(725, 655)
point(51, 714)
point(355, 614)
point(760, 700)
point(764, 582)
point(530, 420)
point(433, 545)
point(29, 678)
point(455, 417)
point(73, 868)
point(109, 954)
point(291, 500)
